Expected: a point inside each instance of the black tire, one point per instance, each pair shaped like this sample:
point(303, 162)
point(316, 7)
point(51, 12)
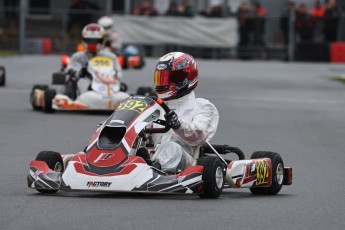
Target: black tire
point(49, 95)
point(54, 162)
point(277, 165)
point(3, 76)
point(123, 87)
point(41, 87)
point(145, 91)
point(213, 185)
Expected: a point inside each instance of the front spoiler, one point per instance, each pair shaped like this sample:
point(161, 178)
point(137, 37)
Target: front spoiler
point(44, 179)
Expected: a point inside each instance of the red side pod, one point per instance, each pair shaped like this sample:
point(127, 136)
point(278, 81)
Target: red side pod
point(192, 169)
point(287, 176)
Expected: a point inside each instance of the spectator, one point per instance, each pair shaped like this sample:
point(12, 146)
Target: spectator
point(145, 9)
point(244, 30)
point(331, 20)
point(215, 11)
point(318, 10)
point(80, 14)
point(259, 21)
point(285, 20)
point(173, 9)
point(186, 9)
point(304, 24)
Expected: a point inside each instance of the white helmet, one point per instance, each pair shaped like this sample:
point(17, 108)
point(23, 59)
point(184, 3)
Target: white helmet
point(93, 37)
point(106, 21)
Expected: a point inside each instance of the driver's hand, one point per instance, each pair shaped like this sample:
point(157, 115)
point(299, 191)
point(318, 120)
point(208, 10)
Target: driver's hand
point(172, 120)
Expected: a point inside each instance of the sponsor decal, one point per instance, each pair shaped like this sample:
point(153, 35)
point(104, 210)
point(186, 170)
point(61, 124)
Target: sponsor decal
point(98, 184)
point(162, 66)
point(261, 172)
point(104, 157)
point(135, 105)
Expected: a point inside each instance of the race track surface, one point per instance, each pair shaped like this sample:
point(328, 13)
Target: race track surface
point(294, 109)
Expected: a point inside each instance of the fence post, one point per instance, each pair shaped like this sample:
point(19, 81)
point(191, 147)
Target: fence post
point(22, 25)
point(291, 44)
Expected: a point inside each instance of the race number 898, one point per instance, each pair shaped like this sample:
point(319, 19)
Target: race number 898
point(137, 106)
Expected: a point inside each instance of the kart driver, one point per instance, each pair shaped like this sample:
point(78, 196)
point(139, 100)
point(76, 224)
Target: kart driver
point(193, 120)
point(93, 40)
point(112, 38)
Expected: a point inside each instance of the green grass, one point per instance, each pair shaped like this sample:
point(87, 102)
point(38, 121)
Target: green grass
point(339, 78)
point(7, 53)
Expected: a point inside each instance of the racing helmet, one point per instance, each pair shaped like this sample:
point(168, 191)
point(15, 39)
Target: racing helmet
point(176, 75)
point(93, 37)
point(106, 21)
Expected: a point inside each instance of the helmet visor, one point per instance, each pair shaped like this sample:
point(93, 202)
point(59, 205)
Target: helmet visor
point(92, 40)
point(167, 77)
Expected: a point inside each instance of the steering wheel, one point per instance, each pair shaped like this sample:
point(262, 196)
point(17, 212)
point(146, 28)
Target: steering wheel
point(159, 121)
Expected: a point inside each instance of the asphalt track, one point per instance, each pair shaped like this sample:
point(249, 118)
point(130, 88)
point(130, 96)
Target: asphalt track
point(294, 109)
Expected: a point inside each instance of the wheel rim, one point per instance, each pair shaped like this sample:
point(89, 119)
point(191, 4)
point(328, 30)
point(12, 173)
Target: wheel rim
point(219, 177)
point(58, 167)
point(280, 173)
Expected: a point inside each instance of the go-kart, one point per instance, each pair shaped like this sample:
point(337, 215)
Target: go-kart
point(2, 76)
point(105, 91)
point(111, 163)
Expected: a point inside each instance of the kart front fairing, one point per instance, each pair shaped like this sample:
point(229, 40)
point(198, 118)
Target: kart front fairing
point(109, 162)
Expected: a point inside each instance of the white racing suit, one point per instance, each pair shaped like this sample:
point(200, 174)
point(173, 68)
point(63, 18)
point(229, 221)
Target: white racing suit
point(80, 60)
point(199, 120)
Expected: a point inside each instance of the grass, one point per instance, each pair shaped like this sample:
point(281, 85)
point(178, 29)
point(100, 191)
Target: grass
point(340, 78)
point(7, 53)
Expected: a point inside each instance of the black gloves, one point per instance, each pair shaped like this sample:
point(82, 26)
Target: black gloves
point(172, 120)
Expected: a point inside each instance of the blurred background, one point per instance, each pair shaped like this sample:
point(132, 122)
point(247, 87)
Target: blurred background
point(300, 30)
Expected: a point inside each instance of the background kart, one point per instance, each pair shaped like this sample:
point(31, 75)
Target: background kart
point(112, 163)
point(105, 91)
point(2, 76)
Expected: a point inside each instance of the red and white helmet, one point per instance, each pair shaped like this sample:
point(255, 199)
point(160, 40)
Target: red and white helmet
point(176, 75)
point(93, 37)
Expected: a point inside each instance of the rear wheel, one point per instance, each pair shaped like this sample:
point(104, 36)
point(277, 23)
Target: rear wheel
point(2, 76)
point(49, 95)
point(213, 176)
point(54, 162)
point(32, 96)
point(277, 173)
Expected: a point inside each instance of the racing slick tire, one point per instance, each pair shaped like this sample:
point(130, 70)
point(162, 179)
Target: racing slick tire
point(277, 173)
point(54, 162)
point(41, 87)
point(49, 95)
point(213, 176)
point(2, 76)
point(145, 91)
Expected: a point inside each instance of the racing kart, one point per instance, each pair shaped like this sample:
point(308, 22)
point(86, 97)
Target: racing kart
point(111, 161)
point(104, 93)
point(2, 76)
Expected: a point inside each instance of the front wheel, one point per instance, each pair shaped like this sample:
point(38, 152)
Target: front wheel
point(33, 96)
point(54, 162)
point(277, 173)
point(213, 176)
point(49, 95)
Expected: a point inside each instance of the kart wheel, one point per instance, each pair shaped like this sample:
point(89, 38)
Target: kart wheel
point(32, 95)
point(123, 87)
point(213, 176)
point(277, 173)
point(2, 76)
point(145, 91)
point(49, 95)
point(54, 162)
